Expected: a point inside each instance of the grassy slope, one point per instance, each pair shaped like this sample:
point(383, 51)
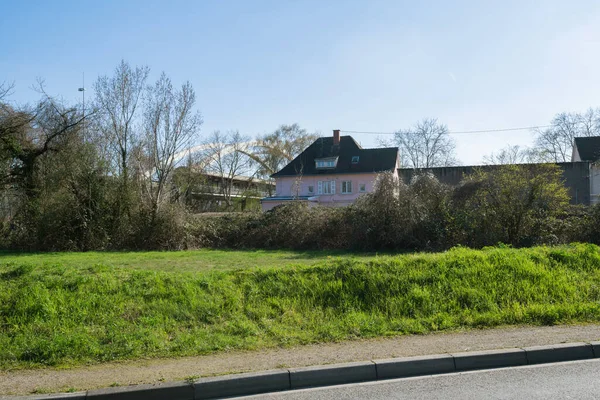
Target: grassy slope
point(58, 314)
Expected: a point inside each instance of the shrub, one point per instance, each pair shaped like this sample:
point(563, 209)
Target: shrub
point(396, 215)
point(515, 204)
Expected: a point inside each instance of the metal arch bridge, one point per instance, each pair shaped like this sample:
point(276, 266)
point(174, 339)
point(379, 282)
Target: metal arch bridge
point(227, 149)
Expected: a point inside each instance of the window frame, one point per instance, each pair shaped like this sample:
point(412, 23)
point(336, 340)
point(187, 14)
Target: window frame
point(344, 187)
point(326, 163)
point(362, 188)
point(329, 184)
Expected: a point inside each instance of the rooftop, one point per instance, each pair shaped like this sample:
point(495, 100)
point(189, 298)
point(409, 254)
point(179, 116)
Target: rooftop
point(369, 160)
point(588, 148)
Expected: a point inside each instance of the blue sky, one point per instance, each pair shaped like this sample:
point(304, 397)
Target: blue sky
point(352, 65)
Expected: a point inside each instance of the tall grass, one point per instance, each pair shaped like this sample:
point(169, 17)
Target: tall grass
point(57, 315)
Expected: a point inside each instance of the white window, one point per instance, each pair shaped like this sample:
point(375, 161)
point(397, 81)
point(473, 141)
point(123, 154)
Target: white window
point(311, 189)
point(325, 163)
point(326, 187)
point(347, 187)
point(362, 187)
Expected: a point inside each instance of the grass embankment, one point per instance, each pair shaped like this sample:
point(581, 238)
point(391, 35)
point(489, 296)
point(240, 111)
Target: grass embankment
point(61, 315)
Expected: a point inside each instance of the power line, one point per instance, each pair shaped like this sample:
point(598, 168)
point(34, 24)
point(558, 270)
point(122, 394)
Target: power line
point(461, 132)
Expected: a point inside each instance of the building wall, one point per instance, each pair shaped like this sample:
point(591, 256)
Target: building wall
point(575, 174)
point(285, 186)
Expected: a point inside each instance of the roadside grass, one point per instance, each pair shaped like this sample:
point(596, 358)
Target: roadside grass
point(179, 261)
point(60, 315)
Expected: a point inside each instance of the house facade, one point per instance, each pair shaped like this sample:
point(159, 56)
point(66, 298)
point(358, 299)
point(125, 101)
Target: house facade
point(333, 171)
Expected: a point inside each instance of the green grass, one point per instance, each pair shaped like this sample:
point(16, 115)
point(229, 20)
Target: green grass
point(178, 261)
point(61, 314)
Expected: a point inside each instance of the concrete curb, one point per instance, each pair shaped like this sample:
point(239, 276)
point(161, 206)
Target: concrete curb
point(335, 374)
point(559, 352)
point(328, 375)
point(242, 384)
point(414, 366)
point(489, 359)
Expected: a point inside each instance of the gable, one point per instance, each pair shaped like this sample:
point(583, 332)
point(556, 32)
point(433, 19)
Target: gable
point(588, 148)
point(369, 160)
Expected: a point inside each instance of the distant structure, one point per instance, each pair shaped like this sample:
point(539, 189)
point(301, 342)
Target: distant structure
point(333, 171)
point(581, 175)
point(211, 192)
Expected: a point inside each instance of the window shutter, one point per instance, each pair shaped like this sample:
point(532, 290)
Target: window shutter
point(332, 187)
point(320, 189)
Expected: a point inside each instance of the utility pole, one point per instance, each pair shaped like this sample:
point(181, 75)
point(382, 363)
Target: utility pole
point(82, 90)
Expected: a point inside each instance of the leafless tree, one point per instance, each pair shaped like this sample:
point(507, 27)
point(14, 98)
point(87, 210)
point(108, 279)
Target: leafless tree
point(589, 122)
point(555, 144)
point(297, 185)
point(426, 145)
point(280, 147)
point(171, 124)
point(226, 156)
point(117, 99)
point(6, 90)
point(508, 155)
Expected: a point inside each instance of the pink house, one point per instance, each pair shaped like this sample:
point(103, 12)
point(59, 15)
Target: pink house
point(333, 171)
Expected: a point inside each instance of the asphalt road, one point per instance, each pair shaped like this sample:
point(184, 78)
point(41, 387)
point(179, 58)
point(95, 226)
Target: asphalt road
point(572, 380)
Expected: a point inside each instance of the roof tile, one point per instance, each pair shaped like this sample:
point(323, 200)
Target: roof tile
point(370, 160)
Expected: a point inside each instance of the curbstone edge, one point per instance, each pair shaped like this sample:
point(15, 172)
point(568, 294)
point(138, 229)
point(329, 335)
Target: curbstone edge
point(559, 352)
point(414, 366)
point(596, 348)
point(242, 384)
point(489, 359)
point(336, 374)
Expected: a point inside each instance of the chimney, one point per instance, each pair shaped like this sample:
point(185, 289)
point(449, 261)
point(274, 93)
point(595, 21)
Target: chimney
point(336, 137)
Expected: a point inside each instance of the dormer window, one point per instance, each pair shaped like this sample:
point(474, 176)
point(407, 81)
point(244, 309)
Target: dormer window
point(354, 159)
point(326, 163)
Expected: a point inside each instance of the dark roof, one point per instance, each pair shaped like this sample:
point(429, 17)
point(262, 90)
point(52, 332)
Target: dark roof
point(588, 148)
point(370, 160)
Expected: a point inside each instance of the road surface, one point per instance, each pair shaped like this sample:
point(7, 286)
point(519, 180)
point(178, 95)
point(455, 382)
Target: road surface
point(572, 380)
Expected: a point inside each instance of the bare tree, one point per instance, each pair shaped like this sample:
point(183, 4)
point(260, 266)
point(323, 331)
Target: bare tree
point(280, 147)
point(297, 185)
point(590, 122)
point(171, 125)
point(6, 90)
point(226, 156)
point(426, 145)
point(555, 144)
point(117, 99)
point(508, 155)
